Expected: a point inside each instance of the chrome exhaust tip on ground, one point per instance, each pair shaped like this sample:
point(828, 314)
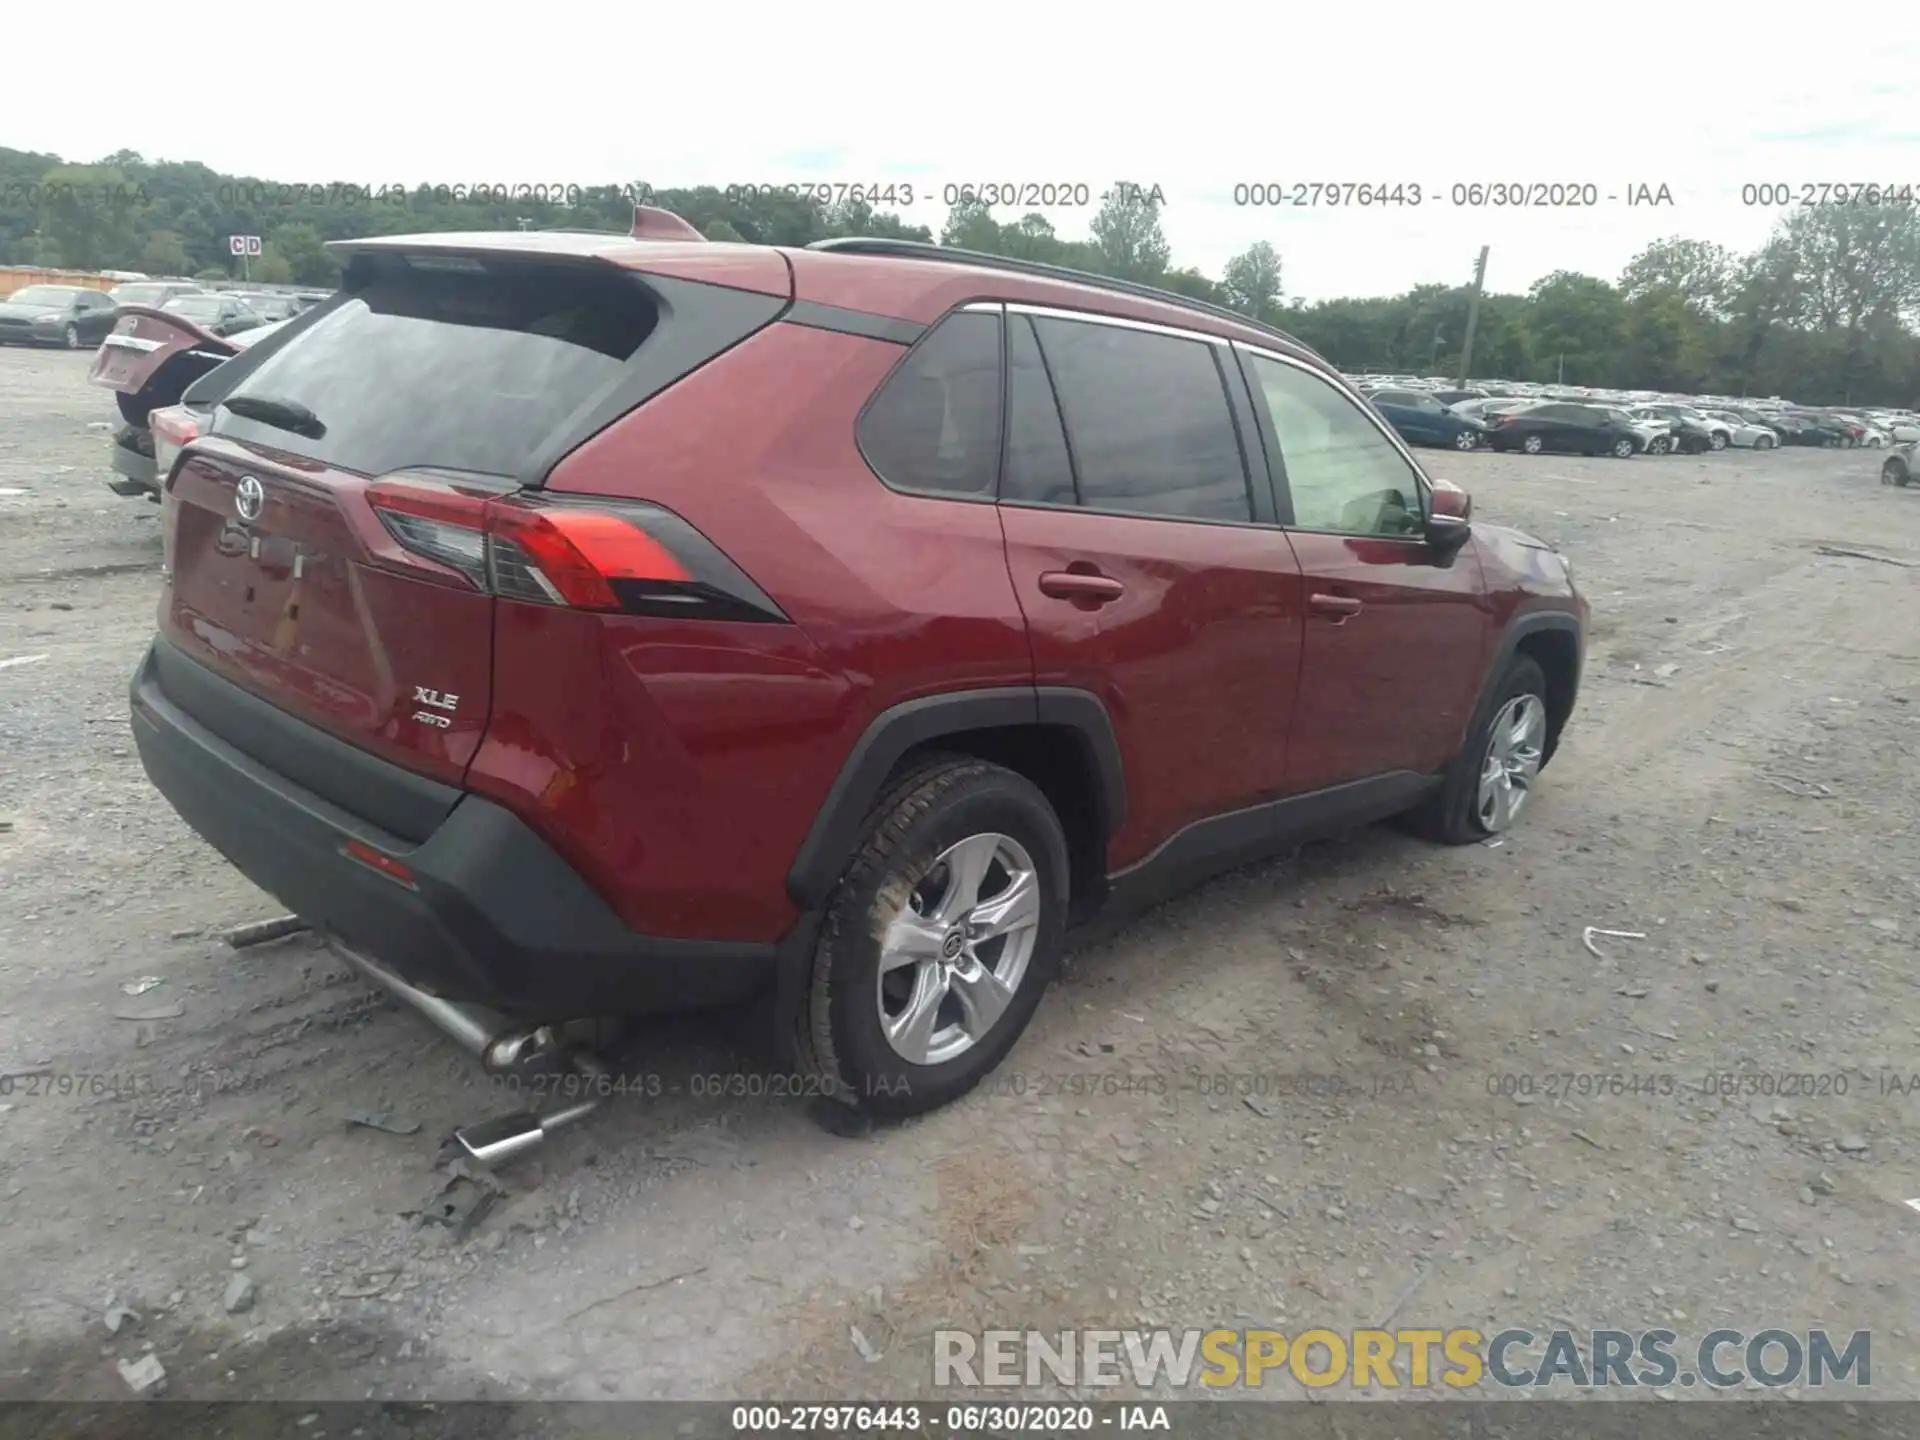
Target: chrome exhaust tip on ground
point(502, 1046)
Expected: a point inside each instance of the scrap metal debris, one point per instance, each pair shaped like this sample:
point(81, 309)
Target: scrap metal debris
point(384, 1120)
point(145, 1376)
point(1586, 938)
point(1802, 788)
point(1849, 554)
point(118, 1315)
point(461, 1202)
point(21, 660)
point(150, 1012)
point(142, 985)
point(261, 931)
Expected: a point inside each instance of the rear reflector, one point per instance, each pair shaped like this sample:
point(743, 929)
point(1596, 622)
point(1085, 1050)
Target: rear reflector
point(614, 556)
point(378, 860)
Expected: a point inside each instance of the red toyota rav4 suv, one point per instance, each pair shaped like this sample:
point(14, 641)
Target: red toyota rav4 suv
point(581, 625)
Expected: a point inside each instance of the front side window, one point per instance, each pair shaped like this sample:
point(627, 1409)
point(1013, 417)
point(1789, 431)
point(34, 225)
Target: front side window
point(1344, 475)
point(934, 426)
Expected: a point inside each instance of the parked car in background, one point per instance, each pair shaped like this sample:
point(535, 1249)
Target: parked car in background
point(151, 292)
point(1867, 431)
point(1421, 419)
point(597, 707)
point(148, 360)
point(268, 305)
point(1485, 410)
point(1562, 425)
point(1655, 431)
point(1719, 432)
point(1814, 428)
point(1901, 467)
point(1744, 433)
point(67, 315)
point(215, 313)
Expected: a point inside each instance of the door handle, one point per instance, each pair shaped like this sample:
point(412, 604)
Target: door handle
point(1339, 607)
point(1076, 585)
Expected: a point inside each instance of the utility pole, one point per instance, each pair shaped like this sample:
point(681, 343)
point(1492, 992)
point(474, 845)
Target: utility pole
point(1473, 315)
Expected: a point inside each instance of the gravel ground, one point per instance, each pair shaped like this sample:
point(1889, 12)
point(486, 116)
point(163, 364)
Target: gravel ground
point(1738, 785)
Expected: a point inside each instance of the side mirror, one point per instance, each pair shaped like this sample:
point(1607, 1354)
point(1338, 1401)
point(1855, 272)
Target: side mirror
point(1449, 516)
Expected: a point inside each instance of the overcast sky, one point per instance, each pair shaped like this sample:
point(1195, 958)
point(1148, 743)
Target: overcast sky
point(1699, 101)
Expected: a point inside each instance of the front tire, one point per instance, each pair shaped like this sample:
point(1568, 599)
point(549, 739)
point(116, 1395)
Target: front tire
point(1623, 449)
point(1465, 440)
point(1490, 782)
point(71, 336)
point(938, 941)
point(1765, 442)
point(1894, 473)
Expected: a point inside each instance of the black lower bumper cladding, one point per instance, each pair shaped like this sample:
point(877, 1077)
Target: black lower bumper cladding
point(493, 914)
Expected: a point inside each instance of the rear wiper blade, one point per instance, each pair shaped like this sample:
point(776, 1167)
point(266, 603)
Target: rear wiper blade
point(281, 414)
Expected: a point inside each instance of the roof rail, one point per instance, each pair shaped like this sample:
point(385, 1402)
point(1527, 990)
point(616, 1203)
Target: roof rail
point(922, 250)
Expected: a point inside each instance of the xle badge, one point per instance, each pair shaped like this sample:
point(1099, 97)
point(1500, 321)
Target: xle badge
point(438, 701)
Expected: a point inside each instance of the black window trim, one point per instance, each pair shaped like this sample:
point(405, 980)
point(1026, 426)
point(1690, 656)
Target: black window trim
point(1423, 483)
point(1216, 344)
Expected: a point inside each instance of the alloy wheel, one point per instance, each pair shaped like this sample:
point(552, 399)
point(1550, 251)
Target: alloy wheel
point(1531, 444)
point(955, 954)
point(1465, 440)
point(1623, 448)
point(1515, 749)
point(73, 337)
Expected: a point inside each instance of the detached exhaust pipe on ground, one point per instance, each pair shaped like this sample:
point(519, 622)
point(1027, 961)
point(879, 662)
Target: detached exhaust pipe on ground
point(502, 1047)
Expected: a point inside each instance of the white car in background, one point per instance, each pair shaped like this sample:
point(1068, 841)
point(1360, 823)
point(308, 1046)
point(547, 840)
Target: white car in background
point(1744, 433)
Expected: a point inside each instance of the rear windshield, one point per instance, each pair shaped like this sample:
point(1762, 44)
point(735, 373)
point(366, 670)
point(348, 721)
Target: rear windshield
point(451, 369)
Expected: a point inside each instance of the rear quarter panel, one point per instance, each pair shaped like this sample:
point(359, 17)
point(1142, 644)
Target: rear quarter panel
point(680, 764)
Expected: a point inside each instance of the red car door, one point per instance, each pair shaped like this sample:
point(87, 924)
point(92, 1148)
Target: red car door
point(1396, 630)
point(1148, 567)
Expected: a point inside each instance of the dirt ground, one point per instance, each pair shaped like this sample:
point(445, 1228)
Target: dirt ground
point(1739, 784)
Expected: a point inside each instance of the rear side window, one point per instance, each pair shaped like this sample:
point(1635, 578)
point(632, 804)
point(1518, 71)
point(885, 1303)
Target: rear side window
point(458, 370)
point(1147, 421)
point(934, 426)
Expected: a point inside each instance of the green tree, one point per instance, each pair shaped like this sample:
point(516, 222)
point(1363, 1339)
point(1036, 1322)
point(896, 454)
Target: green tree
point(723, 231)
point(89, 212)
point(1126, 231)
point(1575, 319)
point(1704, 274)
point(163, 254)
point(303, 248)
point(971, 226)
point(1251, 281)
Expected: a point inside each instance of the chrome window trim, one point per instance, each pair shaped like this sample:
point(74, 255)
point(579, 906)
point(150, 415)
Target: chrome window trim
point(1118, 322)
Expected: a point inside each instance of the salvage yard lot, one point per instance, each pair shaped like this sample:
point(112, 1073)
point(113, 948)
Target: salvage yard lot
point(1320, 1092)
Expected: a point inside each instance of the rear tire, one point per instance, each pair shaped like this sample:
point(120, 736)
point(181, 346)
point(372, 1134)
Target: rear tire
point(1717, 441)
point(1451, 815)
point(1659, 445)
point(1894, 473)
point(71, 335)
point(841, 1036)
point(1532, 445)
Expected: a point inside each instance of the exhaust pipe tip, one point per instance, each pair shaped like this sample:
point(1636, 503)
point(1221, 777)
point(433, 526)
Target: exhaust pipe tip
point(503, 1138)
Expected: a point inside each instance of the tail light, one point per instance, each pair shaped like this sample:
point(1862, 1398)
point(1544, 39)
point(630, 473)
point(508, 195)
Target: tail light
point(172, 429)
point(617, 556)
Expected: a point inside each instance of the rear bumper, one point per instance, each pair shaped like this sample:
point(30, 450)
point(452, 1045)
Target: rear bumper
point(495, 915)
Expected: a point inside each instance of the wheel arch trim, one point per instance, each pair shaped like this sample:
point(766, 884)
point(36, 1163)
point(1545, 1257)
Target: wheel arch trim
point(912, 723)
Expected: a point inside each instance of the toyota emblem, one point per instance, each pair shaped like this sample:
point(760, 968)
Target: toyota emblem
point(249, 498)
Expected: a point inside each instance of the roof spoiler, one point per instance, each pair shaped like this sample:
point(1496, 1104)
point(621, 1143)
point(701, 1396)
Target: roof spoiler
point(650, 222)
